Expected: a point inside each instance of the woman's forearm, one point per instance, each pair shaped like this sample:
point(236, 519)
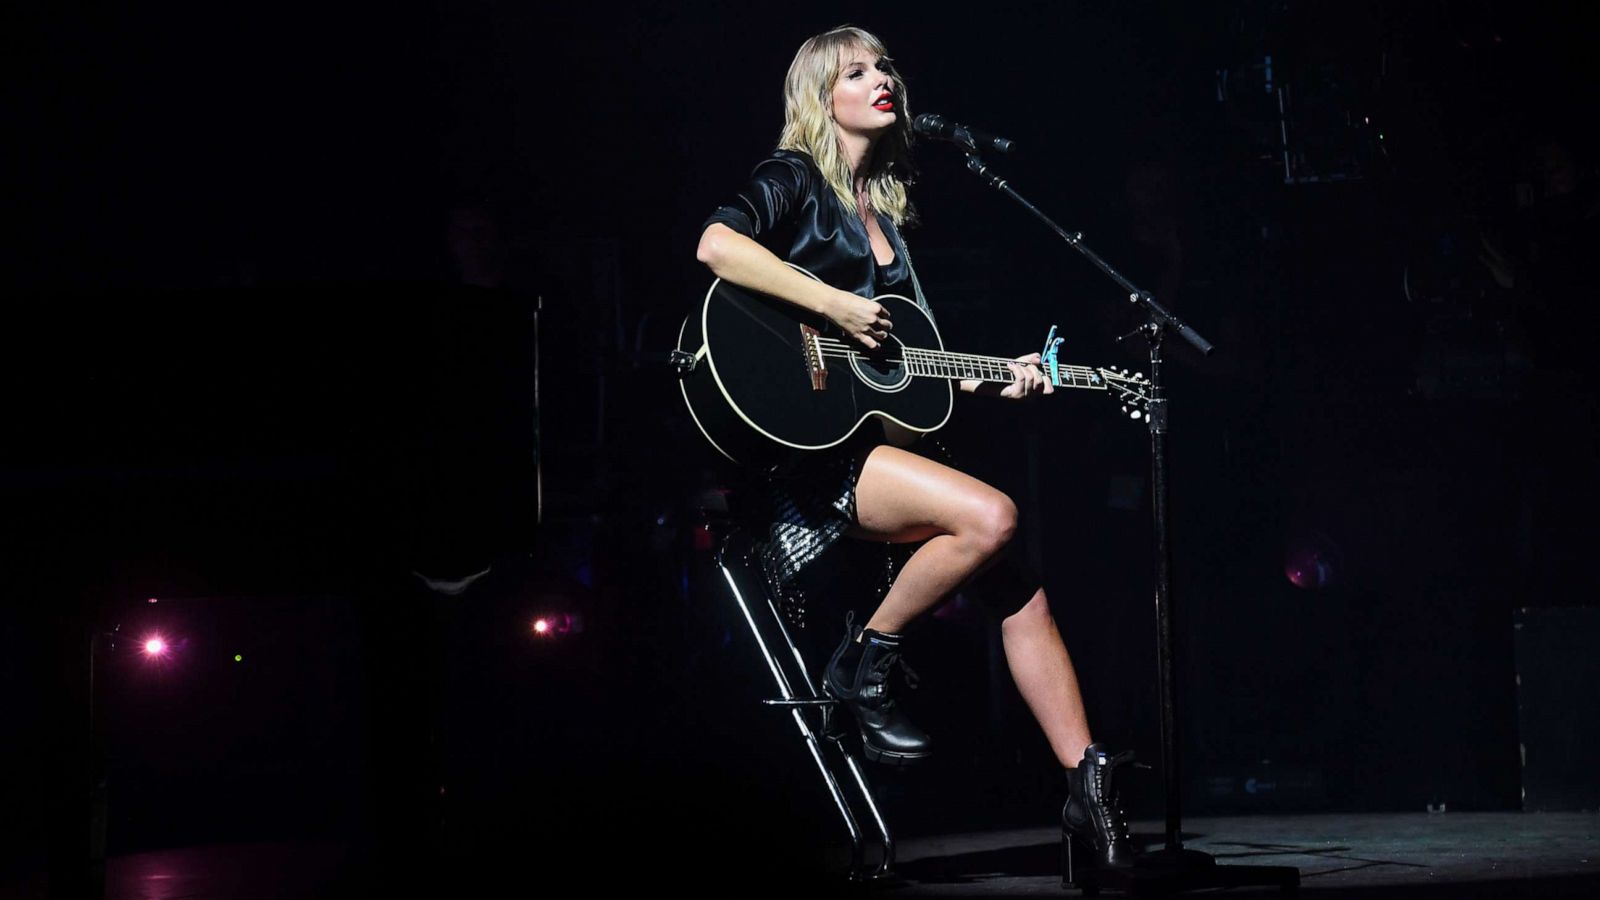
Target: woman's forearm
point(733, 257)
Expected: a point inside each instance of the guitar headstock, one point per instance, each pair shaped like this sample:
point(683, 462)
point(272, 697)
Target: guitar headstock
point(1130, 389)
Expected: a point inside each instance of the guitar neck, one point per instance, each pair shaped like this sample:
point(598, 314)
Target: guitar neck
point(968, 366)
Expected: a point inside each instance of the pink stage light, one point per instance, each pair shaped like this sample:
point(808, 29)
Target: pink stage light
point(1312, 560)
point(155, 646)
point(541, 626)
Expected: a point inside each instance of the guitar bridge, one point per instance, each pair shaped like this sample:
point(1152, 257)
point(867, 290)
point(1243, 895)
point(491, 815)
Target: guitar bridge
point(816, 367)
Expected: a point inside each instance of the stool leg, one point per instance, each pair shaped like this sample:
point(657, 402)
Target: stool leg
point(806, 732)
point(813, 736)
point(832, 718)
point(834, 791)
point(885, 865)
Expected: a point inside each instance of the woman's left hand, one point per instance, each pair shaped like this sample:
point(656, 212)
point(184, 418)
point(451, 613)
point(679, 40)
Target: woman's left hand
point(1029, 379)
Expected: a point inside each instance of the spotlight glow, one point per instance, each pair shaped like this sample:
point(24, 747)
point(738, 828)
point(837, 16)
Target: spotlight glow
point(541, 626)
point(1312, 561)
point(155, 646)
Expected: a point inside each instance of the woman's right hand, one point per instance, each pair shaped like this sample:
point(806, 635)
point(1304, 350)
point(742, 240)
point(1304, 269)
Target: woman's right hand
point(864, 321)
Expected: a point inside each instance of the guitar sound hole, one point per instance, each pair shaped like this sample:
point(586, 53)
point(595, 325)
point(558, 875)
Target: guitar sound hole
point(882, 368)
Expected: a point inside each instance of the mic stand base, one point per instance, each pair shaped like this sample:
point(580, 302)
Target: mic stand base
point(1168, 871)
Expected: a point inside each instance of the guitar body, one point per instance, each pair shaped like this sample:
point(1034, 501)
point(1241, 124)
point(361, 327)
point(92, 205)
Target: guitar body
point(764, 388)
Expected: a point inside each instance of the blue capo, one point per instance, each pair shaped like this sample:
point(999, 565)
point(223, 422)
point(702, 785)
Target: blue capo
point(1047, 356)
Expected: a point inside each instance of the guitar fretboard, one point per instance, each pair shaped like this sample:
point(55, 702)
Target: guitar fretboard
point(961, 366)
point(943, 364)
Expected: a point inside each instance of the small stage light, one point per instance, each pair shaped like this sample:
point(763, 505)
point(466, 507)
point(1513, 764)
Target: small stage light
point(553, 624)
point(238, 657)
point(1312, 561)
point(155, 646)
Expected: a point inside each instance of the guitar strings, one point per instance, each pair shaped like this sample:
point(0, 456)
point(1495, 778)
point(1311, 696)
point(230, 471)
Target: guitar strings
point(944, 359)
point(988, 373)
point(932, 359)
point(942, 355)
point(998, 367)
point(836, 344)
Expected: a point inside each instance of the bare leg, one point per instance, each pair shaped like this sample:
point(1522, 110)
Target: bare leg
point(902, 497)
point(1045, 678)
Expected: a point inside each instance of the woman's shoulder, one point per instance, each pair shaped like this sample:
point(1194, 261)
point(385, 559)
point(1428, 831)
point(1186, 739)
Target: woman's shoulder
point(792, 157)
point(798, 162)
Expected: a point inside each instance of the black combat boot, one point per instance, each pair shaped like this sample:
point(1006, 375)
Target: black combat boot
point(858, 677)
point(1094, 829)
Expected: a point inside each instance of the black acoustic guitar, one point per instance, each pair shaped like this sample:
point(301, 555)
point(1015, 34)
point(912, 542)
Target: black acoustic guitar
point(766, 380)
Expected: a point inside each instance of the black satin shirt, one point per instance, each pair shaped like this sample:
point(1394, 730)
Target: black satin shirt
point(789, 207)
point(791, 210)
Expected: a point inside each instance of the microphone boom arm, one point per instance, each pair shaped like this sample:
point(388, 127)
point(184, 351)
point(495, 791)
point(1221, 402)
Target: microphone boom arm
point(1160, 316)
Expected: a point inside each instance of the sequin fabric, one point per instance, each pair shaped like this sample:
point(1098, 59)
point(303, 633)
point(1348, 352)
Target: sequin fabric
point(808, 512)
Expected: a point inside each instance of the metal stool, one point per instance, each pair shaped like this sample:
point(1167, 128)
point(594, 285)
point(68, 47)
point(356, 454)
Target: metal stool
point(816, 715)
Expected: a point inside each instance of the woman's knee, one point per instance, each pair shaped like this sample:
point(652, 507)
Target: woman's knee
point(993, 523)
point(1034, 613)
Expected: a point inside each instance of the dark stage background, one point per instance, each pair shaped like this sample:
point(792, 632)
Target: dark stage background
point(270, 350)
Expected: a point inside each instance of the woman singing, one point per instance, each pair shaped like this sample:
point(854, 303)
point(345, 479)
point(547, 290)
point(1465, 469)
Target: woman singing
point(831, 200)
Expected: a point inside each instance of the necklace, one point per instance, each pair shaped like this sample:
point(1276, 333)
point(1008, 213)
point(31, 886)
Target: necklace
point(863, 203)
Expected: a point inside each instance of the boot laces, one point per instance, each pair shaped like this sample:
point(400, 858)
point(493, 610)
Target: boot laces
point(891, 660)
point(1111, 803)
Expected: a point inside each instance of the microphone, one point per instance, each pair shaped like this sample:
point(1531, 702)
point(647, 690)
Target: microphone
point(969, 139)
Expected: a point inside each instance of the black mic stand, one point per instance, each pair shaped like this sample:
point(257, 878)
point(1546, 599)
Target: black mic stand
point(1173, 868)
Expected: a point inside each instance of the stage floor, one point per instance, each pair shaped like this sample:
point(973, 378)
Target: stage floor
point(1444, 855)
point(1370, 855)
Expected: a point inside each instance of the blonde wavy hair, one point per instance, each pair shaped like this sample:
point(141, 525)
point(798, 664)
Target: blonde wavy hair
point(808, 123)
